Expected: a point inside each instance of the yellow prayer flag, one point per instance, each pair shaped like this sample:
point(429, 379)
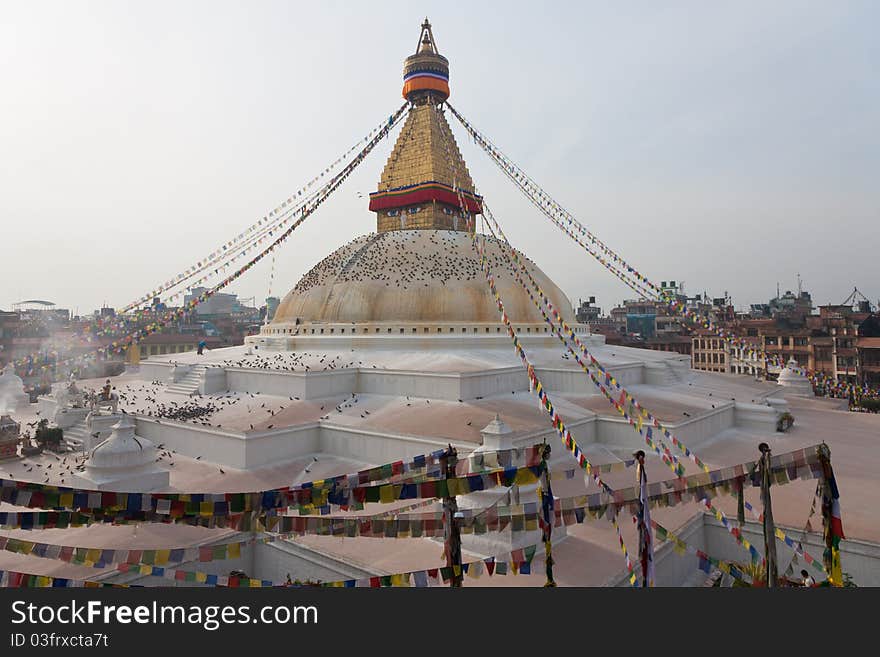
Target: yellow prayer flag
point(524, 476)
point(386, 494)
point(234, 551)
point(162, 556)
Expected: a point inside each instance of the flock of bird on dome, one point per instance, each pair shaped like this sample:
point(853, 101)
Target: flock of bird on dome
point(439, 475)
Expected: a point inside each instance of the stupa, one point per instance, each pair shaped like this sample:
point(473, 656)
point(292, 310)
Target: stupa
point(418, 275)
point(794, 383)
point(124, 461)
point(391, 347)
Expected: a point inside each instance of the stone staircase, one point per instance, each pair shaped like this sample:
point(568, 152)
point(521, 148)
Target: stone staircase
point(677, 374)
point(77, 435)
point(189, 384)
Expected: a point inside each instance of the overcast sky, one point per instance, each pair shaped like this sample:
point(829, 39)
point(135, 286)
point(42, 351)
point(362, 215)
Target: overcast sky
point(729, 145)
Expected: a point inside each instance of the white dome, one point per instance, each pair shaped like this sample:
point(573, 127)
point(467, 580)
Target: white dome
point(123, 449)
point(414, 276)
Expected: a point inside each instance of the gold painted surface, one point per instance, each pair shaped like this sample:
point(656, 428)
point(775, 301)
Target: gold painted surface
point(420, 155)
point(413, 276)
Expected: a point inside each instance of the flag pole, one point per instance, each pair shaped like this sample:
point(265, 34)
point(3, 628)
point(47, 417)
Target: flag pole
point(831, 518)
point(452, 545)
point(646, 538)
point(769, 529)
point(545, 494)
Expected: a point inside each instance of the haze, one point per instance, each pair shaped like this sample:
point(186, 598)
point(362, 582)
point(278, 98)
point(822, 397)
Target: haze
point(729, 146)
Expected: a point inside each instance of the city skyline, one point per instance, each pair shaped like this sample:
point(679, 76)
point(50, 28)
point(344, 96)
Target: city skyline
point(721, 146)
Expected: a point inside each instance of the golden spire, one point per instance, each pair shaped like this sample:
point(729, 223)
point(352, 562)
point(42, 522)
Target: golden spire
point(425, 172)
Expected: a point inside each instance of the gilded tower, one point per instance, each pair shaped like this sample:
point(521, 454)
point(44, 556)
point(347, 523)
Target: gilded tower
point(425, 180)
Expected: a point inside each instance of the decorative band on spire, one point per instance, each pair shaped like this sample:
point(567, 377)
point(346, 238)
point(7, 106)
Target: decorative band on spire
point(426, 82)
point(421, 193)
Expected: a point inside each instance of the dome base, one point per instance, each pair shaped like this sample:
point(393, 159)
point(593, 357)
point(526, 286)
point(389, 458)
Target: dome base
point(424, 336)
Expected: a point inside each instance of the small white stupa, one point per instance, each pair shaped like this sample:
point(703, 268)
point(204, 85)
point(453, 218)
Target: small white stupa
point(795, 382)
point(12, 395)
point(496, 436)
point(124, 462)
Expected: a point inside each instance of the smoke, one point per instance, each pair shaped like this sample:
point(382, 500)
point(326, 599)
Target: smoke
point(11, 392)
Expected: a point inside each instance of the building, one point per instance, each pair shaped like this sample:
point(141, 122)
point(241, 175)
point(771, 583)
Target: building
point(161, 344)
point(587, 313)
point(868, 351)
point(827, 342)
point(271, 306)
point(667, 341)
point(710, 353)
point(9, 323)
